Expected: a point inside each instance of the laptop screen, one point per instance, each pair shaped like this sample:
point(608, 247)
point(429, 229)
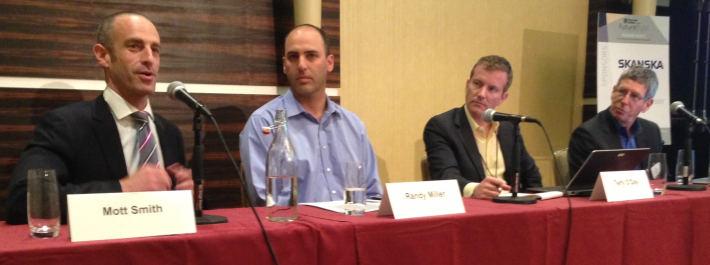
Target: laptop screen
point(605, 160)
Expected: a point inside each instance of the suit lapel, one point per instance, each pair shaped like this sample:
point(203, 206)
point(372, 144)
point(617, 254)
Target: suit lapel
point(106, 131)
point(611, 136)
point(163, 138)
point(463, 128)
point(642, 141)
point(613, 140)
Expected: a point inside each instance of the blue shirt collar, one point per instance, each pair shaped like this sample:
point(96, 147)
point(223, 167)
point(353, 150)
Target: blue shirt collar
point(635, 127)
point(293, 107)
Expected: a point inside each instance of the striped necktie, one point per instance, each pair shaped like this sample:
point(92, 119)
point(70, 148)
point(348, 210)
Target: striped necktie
point(145, 142)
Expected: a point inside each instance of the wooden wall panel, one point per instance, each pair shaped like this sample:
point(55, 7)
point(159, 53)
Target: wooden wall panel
point(20, 109)
point(208, 42)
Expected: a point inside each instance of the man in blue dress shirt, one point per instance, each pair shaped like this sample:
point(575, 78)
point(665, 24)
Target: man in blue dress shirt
point(619, 127)
point(325, 135)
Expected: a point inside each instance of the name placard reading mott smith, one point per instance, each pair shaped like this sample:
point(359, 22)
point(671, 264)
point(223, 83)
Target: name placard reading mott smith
point(130, 214)
point(417, 199)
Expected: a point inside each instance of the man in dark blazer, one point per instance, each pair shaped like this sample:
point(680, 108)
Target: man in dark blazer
point(91, 145)
point(619, 127)
point(461, 146)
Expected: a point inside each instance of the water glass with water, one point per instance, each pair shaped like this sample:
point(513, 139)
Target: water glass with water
point(679, 167)
point(657, 172)
point(43, 203)
point(355, 189)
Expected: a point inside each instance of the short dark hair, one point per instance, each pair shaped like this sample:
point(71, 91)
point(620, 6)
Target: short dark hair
point(495, 62)
point(320, 31)
point(103, 32)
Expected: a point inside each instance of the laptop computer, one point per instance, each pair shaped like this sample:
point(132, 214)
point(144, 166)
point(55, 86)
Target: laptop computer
point(599, 161)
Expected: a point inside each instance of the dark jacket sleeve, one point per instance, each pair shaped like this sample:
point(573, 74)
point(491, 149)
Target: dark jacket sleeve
point(442, 160)
point(51, 147)
point(171, 142)
point(580, 146)
point(657, 142)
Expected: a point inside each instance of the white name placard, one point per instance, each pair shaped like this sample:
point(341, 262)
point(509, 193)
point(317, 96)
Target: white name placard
point(130, 214)
point(621, 186)
point(417, 199)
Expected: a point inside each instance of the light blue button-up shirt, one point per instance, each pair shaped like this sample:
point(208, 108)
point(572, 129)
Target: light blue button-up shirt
point(322, 150)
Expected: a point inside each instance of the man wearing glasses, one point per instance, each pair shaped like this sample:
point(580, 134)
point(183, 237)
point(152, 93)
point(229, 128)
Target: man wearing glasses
point(619, 127)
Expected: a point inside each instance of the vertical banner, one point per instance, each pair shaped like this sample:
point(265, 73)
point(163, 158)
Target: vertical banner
point(627, 40)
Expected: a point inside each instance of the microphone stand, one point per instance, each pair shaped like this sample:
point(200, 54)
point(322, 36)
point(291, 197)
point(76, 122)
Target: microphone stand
point(697, 53)
point(198, 174)
point(704, 8)
point(514, 199)
point(687, 163)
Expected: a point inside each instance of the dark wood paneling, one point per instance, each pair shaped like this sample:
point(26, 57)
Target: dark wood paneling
point(20, 109)
point(210, 42)
point(588, 112)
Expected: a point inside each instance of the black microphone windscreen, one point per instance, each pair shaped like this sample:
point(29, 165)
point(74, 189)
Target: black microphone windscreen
point(175, 85)
point(488, 115)
point(675, 106)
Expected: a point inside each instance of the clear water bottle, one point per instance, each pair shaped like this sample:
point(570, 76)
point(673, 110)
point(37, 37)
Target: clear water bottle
point(281, 174)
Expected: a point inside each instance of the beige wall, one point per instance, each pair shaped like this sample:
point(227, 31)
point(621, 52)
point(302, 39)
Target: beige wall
point(405, 61)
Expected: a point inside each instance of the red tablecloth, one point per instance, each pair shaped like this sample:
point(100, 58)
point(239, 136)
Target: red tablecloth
point(238, 242)
point(669, 229)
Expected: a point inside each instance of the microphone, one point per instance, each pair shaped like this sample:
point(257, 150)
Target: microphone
point(491, 115)
point(678, 108)
point(176, 90)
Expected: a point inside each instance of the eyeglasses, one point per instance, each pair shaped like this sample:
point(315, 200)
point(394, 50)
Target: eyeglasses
point(634, 97)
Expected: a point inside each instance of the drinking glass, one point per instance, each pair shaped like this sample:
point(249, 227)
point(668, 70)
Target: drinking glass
point(43, 203)
point(355, 189)
point(679, 167)
point(657, 172)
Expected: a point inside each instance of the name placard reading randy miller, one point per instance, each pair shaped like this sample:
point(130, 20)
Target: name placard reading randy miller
point(417, 199)
point(130, 214)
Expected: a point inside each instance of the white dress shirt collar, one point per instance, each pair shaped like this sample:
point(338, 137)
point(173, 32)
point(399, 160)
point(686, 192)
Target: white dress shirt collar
point(120, 107)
